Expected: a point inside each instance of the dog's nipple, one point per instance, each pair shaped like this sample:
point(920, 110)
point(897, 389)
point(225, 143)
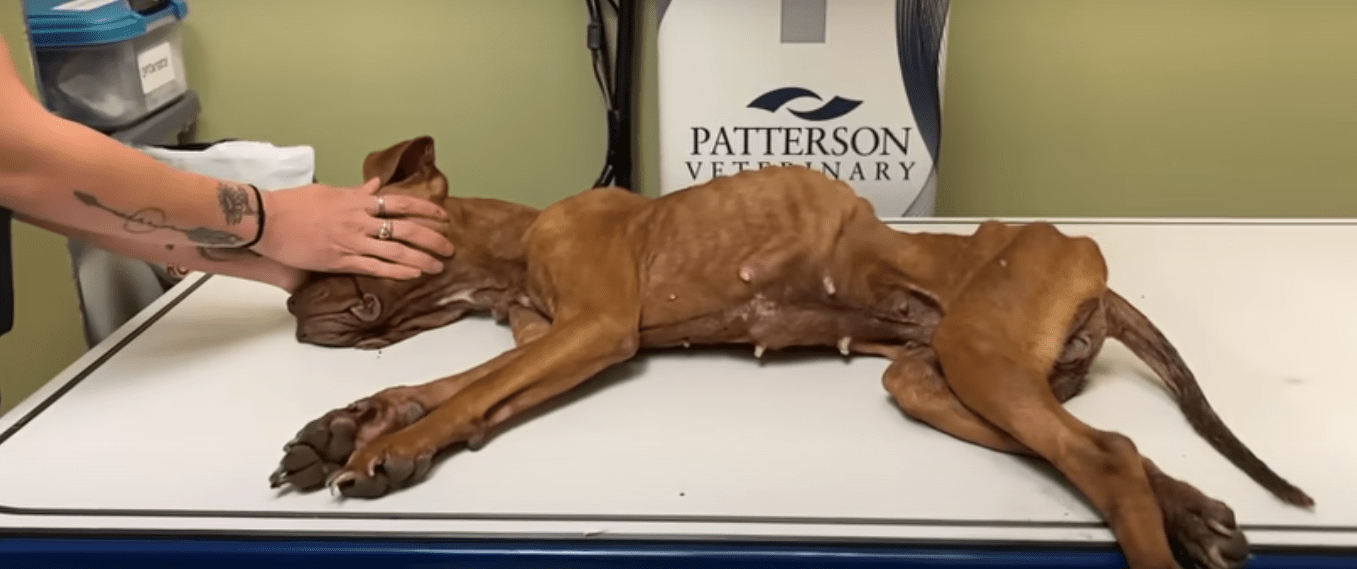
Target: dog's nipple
point(673, 297)
point(746, 274)
point(829, 285)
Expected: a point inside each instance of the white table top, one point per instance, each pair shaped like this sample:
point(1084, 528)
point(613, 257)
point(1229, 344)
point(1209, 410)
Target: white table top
point(175, 422)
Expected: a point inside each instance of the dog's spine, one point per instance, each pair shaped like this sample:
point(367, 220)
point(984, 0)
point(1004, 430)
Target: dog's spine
point(1134, 330)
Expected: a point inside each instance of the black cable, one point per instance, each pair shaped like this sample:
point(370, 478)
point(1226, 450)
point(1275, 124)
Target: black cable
point(598, 45)
point(597, 39)
point(622, 101)
point(616, 87)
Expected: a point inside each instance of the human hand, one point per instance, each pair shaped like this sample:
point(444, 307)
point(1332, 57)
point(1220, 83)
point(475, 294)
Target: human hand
point(329, 229)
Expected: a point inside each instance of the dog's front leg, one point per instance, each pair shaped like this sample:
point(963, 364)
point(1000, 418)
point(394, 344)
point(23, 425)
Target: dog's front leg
point(527, 324)
point(324, 445)
point(592, 327)
point(567, 355)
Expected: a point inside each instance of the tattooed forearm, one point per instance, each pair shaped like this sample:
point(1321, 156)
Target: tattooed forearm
point(179, 269)
point(151, 218)
point(235, 202)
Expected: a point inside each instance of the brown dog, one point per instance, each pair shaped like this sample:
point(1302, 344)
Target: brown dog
point(988, 333)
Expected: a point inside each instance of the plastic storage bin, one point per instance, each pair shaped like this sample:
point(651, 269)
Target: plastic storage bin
point(107, 63)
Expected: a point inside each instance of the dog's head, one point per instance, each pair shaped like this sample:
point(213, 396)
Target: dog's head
point(342, 310)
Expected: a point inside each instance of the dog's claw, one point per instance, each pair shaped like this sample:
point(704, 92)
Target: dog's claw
point(278, 477)
point(1201, 527)
point(843, 345)
point(1219, 528)
point(829, 285)
point(338, 479)
point(758, 351)
point(1218, 560)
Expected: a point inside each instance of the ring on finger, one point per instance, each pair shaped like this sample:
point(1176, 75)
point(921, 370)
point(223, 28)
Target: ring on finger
point(385, 232)
point(381, 206)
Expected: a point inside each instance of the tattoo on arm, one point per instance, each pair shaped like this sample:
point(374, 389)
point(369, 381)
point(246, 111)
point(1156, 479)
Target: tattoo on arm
point(148, 219)
point(235, 202)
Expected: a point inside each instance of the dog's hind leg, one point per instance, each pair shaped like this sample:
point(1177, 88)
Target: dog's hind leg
point(918, 388)
point(997, 342)
point(1199, 526)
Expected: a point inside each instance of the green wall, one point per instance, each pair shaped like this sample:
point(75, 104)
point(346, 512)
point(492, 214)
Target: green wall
point(504, 86)
point(1150, 108)
point(1052, 108)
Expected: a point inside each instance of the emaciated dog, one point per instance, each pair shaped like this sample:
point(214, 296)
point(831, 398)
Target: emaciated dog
point(988, 333)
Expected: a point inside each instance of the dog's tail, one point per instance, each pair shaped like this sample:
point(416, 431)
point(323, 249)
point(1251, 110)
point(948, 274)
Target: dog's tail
point(1134, 330)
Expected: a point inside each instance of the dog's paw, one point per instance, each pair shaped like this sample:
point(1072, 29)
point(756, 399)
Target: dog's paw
point(322, 447)
point(389, 463)
point(401, 459)
point(1201, 527)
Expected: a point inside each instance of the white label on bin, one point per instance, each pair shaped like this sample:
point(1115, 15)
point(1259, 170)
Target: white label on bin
point(83, 5)
point(156, 66)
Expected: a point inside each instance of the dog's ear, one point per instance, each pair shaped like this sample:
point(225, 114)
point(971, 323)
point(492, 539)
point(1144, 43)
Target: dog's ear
point(408, 168)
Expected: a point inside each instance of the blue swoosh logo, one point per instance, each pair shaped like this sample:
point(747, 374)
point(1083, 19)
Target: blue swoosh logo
point(775, 99)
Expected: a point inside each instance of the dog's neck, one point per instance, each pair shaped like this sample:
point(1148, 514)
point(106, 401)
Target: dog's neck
point(489, 264)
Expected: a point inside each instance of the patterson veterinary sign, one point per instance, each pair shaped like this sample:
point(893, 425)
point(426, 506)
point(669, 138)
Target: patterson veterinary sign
point(847, 88)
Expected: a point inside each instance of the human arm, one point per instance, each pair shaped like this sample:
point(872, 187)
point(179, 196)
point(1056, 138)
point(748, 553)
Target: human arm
point(69, 176)
point(241, 263)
